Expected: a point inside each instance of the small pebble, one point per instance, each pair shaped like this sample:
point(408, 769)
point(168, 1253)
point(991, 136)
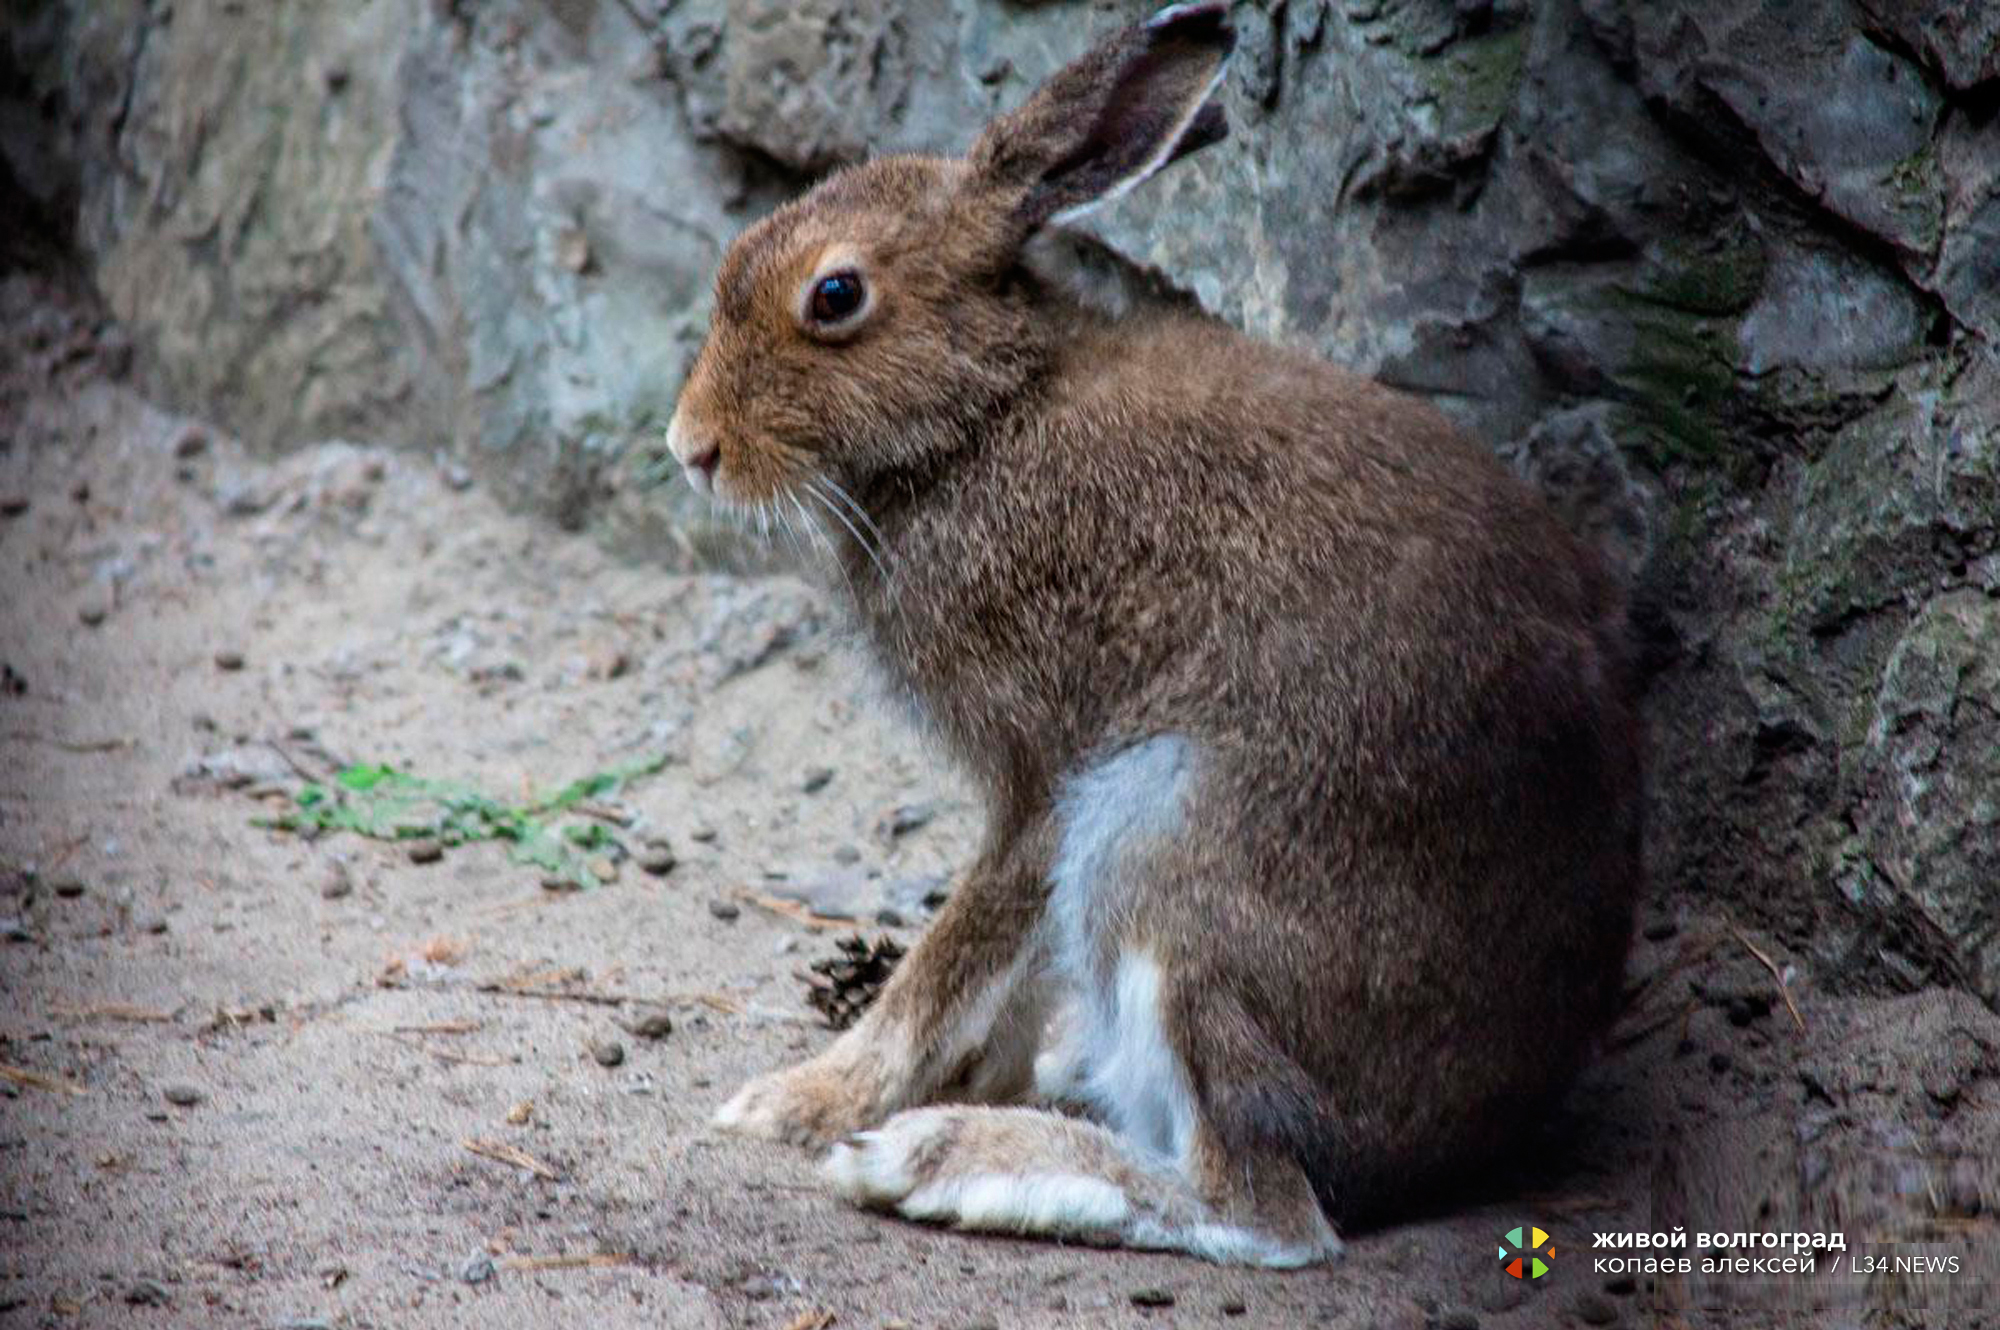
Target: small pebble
point(1744, 1010)
point(92, 613)
point(557, 882)
point(152, 923)
point(761, 1288)
point(478, 1268)
point(14, 929)
point(1234, 1307)
point(69, 888)
point(147, 1293)
point(425, 850)
point(518, 1115)
point(13, 505)
point(846, 856)
point(336, 883)
point(817, 779)
point(1593, 1310)
point(182, 1095)
point(608, 1052)
point(889, 917)
point(229, 659)
point(657, 858)
point(1718, 1062)
point(724, 910)
point(654, 1024)
point(1624, 1286)
point(192, 441)
point(703, 833)
point(603, 869)
point(903, 819)
point(1152, 1297)
point(1660, 930)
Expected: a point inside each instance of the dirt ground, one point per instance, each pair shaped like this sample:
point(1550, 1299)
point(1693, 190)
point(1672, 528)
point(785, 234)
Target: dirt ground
point(241, 1067)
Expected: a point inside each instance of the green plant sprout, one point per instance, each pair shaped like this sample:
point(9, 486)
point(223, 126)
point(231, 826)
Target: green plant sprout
point(378, 801)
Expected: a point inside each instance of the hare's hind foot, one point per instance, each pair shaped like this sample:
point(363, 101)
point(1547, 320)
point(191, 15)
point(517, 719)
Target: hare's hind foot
point(1032, 1172)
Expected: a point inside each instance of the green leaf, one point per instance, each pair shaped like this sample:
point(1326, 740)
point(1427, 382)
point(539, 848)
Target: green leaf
point(366, 777)
point(380, 802)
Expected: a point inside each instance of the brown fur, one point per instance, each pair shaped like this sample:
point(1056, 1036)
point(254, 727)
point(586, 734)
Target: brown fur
point(1397, 914)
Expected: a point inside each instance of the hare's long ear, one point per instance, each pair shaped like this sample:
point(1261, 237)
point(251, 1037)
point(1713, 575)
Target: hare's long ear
point(1109, 120)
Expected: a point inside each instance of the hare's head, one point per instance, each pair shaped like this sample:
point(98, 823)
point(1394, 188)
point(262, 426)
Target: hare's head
point(883, 317)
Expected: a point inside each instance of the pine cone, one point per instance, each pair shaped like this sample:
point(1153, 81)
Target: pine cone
point(840, 987)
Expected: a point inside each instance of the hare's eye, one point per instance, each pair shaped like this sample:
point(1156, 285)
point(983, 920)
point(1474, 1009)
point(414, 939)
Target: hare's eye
point(835, 297)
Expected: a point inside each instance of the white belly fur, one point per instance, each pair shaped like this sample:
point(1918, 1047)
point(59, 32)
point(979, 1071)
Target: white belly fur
point(1109, 1049)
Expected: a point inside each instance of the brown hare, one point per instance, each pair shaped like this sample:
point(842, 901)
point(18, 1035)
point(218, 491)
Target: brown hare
point(1307, 737)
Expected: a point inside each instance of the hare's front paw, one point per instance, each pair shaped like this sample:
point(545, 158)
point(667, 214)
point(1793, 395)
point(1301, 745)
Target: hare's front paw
point(812, 1104)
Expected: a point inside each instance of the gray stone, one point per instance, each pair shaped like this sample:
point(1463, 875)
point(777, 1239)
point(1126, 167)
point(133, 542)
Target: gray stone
point(336, 882)
point(915, 894)
point(245, 766)
point(1957, 38)
point(903, 819)
point(838, 893)
point(657, 857)
point(1926, 852)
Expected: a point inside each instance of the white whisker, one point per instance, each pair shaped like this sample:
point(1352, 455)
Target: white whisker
point(853, 506)
point(793, 536)
point(821, 540)
point(852, 530)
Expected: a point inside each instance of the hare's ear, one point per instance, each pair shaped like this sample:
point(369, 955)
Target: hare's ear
point(1110, 119)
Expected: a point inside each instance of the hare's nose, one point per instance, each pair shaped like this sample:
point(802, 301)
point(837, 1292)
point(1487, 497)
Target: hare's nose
point(698, 454)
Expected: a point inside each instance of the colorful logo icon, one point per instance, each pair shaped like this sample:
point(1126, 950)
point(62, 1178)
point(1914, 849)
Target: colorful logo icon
point(1523, 1260)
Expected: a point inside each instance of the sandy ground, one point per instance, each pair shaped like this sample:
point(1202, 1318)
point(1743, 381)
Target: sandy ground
point(242, 1067)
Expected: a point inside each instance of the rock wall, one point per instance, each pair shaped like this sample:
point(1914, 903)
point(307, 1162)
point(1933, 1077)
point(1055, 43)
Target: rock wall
point(1722, 276)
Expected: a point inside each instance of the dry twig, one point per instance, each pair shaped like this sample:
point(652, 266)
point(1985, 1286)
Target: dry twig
point(111, 1011)
point(557, 994)
point(473, 1059)
point(586, 1261)
point(508, 1154)
point(784, 909)
point(22, 1076)
point(1784, 989)
point(810, 1321)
